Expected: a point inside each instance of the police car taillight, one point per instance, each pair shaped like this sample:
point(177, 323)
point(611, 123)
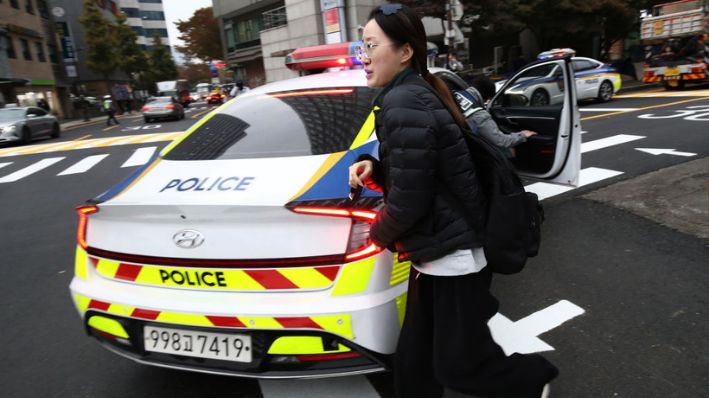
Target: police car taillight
point(324, 56)
point(84, 212)
point(359, 246)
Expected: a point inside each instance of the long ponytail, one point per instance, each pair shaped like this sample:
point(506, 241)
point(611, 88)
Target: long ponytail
point(405, 26)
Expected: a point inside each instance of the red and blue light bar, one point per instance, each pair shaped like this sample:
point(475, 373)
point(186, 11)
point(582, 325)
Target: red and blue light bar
point(336, 55)
point(556, 53)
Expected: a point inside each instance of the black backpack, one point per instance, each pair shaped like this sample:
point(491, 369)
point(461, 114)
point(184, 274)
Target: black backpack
point(514, 216)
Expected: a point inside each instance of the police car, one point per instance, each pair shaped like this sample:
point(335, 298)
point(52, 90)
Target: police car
point(237, 251)
point(594, 80)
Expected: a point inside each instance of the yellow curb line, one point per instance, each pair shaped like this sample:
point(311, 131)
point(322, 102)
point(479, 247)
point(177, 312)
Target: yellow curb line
point(195, 116)
point(644, 109)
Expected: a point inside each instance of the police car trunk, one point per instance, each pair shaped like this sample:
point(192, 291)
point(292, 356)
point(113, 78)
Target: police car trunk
point(236, 252)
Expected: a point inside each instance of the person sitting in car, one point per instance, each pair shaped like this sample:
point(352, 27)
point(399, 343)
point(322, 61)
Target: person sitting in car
point(472, 101)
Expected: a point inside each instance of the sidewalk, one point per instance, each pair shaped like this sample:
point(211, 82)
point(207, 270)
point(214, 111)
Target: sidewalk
point(94, 120)
point(676, 197)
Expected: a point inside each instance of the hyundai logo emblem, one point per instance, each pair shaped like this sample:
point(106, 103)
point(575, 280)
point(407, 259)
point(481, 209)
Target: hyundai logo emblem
point(188, 239)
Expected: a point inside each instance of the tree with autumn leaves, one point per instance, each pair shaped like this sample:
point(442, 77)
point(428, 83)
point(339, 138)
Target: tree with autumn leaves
point(201, 36)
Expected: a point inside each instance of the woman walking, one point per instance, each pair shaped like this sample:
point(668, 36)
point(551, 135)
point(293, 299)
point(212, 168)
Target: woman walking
point(423, 165)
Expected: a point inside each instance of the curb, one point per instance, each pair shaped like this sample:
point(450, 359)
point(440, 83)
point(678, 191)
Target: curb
point(639, 87)
point(94, 120)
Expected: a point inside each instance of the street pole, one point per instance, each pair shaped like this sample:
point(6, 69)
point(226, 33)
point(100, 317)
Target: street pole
point(449, 39)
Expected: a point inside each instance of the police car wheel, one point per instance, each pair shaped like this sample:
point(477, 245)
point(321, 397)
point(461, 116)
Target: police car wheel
point(539, 98)
point(605, 91)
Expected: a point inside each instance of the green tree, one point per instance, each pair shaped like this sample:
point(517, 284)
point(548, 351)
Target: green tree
point(100, 46)
point(160, 62)
point(131, 59)
point(201, 36)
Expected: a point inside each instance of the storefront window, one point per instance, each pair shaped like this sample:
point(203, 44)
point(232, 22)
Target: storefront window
point(11, 48)
point(40, 52)
point(26, 49)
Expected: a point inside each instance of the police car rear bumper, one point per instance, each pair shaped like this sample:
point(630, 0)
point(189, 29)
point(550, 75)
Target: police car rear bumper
point(366, 323)
point(263, 365)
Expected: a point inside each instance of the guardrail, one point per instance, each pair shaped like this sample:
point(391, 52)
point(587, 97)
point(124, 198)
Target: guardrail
point(275, 18)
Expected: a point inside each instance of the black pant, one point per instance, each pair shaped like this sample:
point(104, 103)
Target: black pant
point(445, 341)
point(111, 116)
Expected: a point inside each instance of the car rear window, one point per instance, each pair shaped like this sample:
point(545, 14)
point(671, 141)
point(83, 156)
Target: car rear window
point(281, 124)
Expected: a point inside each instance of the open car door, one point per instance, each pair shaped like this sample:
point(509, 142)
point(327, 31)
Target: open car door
point(542, 98)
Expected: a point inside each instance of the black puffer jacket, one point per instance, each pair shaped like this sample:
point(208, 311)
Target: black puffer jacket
point(422, 152)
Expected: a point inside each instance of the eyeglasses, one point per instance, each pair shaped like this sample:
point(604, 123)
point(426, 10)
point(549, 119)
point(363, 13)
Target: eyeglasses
point(388, 9)
point(365, 50)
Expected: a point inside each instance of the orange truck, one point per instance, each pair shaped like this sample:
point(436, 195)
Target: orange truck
point(676, 40)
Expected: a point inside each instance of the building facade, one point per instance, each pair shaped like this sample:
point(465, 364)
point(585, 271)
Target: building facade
point(66, 15)
point(147, 18)
point(258, 34)
point(29, 56)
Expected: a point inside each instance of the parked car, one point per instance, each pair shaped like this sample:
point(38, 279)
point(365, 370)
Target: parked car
point(162, 108)
point(23, 124)
point(594, 80)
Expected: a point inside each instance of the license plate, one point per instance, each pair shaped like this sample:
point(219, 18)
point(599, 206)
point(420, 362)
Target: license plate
point(672, 72)
point(228, 347)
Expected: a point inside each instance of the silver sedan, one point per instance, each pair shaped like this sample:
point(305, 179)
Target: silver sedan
point(162, 108)
point(24, 124)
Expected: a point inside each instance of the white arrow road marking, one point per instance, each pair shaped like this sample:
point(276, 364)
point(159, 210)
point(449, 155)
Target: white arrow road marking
point(31, 169)
point(608, 141)
point(587, 176)
point(140, 157)
point(344, 387)
point(659, 151)
point(83, 165)
point(521, 336)
point(5, 164)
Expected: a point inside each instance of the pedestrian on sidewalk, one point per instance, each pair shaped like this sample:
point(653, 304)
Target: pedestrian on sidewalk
point(238, 89)
point(110, 110)
point(82, 105)
point(42, 103)
point(453, 64)
point(423, 161)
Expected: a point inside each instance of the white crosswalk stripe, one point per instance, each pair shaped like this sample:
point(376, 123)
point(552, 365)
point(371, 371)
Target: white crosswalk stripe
point(587, 176)
point(140, 157)
point(29, 170)
point(608, 141)
point(83, 165)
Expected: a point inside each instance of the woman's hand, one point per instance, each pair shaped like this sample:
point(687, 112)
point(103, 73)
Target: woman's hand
point(360, 172)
